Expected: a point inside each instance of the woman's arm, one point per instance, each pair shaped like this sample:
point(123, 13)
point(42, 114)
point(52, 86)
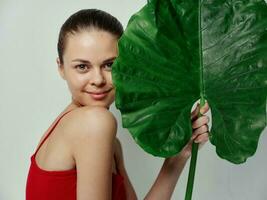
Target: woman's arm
point(130, 192)
point(93, 133)
point(172, 167)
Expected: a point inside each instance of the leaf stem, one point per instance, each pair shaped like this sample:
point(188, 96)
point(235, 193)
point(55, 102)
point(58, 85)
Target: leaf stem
point(193, 162)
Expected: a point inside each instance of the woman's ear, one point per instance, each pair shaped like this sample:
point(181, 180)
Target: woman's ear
point(61, 69)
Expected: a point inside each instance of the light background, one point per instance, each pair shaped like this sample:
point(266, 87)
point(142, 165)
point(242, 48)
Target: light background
point(33, 94)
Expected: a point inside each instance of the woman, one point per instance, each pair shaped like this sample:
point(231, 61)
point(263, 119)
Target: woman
point(79, 157)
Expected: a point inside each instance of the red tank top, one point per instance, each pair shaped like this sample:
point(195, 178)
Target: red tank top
point(61, 185)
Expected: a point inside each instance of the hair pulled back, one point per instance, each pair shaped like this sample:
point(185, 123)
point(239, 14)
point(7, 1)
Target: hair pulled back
point(87, 19)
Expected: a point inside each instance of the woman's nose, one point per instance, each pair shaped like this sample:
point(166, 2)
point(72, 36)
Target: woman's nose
point(97, 78)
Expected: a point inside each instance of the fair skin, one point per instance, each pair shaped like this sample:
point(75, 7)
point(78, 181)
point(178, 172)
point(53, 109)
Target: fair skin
point(91, 145)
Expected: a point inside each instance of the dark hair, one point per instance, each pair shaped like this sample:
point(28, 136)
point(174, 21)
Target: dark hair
point(87, 19)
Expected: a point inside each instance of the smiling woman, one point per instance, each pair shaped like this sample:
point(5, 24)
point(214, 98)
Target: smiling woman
point(79, 157)
point(83, 156)
point(86, 66)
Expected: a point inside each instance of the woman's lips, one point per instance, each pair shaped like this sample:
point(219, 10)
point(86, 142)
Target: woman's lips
point(99, 95)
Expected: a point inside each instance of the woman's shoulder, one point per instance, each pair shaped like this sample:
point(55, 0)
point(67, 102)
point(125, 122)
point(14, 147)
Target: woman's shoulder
point(89, 120)
point(96, 113)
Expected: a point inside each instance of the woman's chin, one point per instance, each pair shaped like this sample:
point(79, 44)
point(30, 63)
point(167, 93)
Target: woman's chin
point(99, 103)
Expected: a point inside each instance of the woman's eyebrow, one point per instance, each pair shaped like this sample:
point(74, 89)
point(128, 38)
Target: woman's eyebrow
point(87, 61)
point(81, 60)
point(109, 59)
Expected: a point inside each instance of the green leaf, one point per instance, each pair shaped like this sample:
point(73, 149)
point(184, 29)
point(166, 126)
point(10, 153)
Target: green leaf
point(174, 52)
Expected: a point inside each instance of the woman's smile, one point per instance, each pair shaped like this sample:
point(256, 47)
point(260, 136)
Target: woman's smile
point(99, 95)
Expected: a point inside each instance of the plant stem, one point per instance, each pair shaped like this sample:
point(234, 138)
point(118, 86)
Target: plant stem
point(193, 162)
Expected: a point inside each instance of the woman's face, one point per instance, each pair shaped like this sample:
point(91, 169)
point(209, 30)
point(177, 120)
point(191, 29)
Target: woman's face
point(86, 67)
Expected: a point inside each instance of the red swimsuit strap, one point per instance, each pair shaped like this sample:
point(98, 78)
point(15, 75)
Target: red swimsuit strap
point(53, 127)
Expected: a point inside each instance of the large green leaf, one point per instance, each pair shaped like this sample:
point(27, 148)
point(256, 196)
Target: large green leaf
point(174, 52)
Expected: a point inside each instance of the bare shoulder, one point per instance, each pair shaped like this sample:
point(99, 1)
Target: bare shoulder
point(89, 126)
point(90, 120)
point(95, 113)
point(92, 132)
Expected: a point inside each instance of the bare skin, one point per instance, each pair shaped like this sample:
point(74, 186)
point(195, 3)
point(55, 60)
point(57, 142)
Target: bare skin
point(86, 137)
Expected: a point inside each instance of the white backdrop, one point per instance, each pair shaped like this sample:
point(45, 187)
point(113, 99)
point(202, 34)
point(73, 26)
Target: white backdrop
point(33, 94)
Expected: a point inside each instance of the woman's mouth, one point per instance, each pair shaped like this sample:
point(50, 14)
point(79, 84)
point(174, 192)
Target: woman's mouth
point(99, 95)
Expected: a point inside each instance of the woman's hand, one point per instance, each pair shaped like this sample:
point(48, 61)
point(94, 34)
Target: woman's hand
point(200, 130)
point(173, 166)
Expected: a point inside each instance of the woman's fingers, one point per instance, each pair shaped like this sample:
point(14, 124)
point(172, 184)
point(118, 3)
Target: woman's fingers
point(200, 121)
point(200, 125)
point(194, 114)
point(204, 137)
point(201, 139)
point(202, 129)
point(205, 108)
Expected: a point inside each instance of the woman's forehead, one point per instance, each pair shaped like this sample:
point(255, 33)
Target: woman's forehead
point(92, 45)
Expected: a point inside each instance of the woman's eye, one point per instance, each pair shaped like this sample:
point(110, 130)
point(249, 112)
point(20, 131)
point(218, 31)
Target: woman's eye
point(109, 65)
point(81, 67)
